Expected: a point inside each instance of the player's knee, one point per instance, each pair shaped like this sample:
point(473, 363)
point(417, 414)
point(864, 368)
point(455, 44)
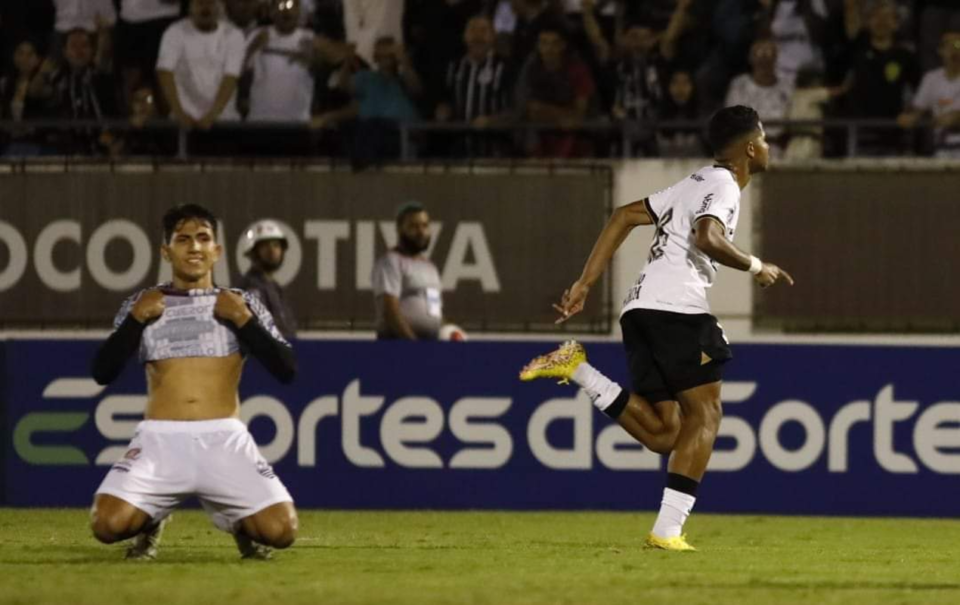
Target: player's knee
point(663, 443)
point(109, 529)
point(280, 531)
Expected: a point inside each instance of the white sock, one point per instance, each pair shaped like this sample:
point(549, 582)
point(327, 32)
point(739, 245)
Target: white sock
point(601, 390)
point(674, 510)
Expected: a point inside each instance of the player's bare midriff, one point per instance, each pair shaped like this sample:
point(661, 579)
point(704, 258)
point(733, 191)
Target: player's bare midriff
point(194, 388)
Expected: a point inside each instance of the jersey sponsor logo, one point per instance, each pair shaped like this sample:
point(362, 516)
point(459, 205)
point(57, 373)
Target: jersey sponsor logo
point(661, 238)
point(705, 204)
point(697, 177)
point(634, 292)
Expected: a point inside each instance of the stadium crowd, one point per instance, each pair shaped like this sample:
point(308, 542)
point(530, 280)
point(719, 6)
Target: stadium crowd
point(339, 77)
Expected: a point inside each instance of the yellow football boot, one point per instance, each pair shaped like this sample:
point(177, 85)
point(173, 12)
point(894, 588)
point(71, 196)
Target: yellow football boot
point(676, 543)
point(556, 364)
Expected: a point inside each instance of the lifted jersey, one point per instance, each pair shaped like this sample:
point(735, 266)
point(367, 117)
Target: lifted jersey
point(188, 326)
point(677, 273)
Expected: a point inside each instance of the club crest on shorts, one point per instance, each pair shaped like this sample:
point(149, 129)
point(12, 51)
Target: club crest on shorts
point(265, 470)
point(132, 453)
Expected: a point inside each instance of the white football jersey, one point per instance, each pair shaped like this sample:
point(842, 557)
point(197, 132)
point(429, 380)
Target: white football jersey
point(677, 273)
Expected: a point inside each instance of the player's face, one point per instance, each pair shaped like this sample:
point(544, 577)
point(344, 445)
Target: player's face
point(270, 254)
point(414, 232)
point(192, 250)
point(761, 152)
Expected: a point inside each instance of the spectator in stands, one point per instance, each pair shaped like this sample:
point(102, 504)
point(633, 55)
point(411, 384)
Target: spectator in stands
point(800, 30)
point(477, 92)
point(477, 89)
point(882, 73)
point(77, 89)
point(367, 21)
point(633, 68)
point(939, 96)
point(140, 139)
point(383, 99)
point(282, 60)
point(680, 104)
point(433, 33)
point(16, 105)
point(138, 33)
point(15, 102)
point(936, 17)
point(94, 16)
point(532, 17)
point(246, 14)
point(555, 88)
point(200, 61)
point(763, 90)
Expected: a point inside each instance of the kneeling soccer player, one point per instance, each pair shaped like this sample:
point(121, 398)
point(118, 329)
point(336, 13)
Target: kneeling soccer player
point(192, 338)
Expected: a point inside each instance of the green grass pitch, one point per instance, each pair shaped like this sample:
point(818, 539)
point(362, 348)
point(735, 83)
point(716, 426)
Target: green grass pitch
point(48, 556)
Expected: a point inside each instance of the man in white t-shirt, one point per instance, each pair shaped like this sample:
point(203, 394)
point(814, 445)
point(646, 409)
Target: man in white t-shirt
point(763, 90)
point(675, 349)
point(281, 58)
point(939, 96)
point(201, 58)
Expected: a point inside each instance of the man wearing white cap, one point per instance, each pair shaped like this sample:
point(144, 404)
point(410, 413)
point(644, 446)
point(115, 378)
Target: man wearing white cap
point(265, 245)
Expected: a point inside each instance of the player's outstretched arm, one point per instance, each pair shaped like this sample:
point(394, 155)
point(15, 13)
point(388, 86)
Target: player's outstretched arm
point(621, 223)
point(711, 239)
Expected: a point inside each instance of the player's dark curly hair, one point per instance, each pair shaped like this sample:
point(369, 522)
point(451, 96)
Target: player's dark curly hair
point(729, 124)
point(185, 212)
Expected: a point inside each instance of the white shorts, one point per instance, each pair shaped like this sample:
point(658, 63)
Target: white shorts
point(215, 460)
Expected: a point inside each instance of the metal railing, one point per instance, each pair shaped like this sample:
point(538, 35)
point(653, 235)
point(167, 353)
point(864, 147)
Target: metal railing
point(626, 135)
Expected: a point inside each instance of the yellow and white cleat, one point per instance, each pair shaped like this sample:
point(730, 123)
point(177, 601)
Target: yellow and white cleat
point(556, 364)
point(676, 543)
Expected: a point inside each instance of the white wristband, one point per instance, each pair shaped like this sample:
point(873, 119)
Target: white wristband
point(755, 265)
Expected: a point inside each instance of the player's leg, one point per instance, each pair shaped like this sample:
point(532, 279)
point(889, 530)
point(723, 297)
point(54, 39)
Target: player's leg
point(114, 520)
point(656, 426)
point(691, 352)
point(688, 463)
point(275, 526)
point(242, 494)
point(139, 492)
point(653, 425)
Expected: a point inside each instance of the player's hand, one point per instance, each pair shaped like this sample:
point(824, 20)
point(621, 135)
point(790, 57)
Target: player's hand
point(231, 307)
point(771, 274)
point(149, 306)
point(572, 302)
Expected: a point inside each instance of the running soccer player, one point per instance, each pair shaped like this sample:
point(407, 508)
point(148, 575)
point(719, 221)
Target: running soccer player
point(675, 349)
point(192, 338)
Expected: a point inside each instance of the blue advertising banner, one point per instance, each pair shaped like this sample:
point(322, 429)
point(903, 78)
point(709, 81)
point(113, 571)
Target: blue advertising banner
point(807, 430)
